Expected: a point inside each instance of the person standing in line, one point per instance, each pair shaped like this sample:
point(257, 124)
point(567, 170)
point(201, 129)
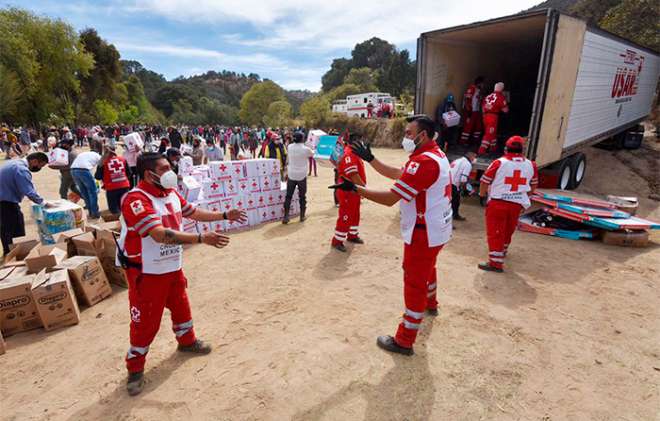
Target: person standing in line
point(130, 156)
point(197, 152)
point(460, 178)
point(235, 143)
point(423, 189)
point(150, 252)
point(15, 184)
point(299, 155)
point(276, 150)
point(66, 179)
point(311, 144)
point(212, 152)
point(507, 183)
point(82, 170)
point(114, 174)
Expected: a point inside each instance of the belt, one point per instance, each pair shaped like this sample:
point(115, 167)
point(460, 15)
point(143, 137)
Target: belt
point(420, 226)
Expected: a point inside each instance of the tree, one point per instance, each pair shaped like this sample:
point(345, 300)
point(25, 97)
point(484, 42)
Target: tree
point(47, 58)
point(341, 92)
point(105, 112)
point(315, 110)
point(335, 76)
point(278, 114)
point(255, 102)
point(11, 95)
point(364, 78)
point(637, 20)
point(101, 81)
point(593, 11)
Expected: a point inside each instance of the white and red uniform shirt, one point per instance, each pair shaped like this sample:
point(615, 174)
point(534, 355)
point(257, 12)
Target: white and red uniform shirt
point(351, 164)
point(143, 209)
point(425, 188)
point(460, 171)
point(494, 103)
point(511, 177)
point(114, 174)
point(472, 99)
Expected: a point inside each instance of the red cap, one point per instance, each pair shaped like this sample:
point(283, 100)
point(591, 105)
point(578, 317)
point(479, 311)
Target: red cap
point(515, 142)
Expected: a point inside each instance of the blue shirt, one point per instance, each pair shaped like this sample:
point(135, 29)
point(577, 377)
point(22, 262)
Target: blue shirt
point(16, 182)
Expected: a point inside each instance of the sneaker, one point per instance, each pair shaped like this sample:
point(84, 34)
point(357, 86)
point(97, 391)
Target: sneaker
point(459, 218)
point(432, 312)
point(389, 344)
point(339, 247)
point(488, 268)
point(135, 383)
point(197, 347)
point(357, 240)
point(285, 221)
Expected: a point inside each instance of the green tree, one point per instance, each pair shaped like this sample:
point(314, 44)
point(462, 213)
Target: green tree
point(11, 95)
point(101, 82)
point(47, 57)
point(364, 77)
point(335, 76)
point(105, 112)
point(278, 114)
point(255, 102)
point(129, 115)
point(373, 53)
point(315, 110)
point(342, 91)
point(637, 20)
point(593, 11)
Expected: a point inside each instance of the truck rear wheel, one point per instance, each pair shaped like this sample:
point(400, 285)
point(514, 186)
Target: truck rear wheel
point(565, 180)
point(579, 164)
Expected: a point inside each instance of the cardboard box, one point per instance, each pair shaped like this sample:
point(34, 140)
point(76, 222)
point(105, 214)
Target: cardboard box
point(231, 188)
point(213, 205)
point(65, 238)
point(239, 202)
point(243, 186)
point(626, 238)
point(220, 170)
point(133, 142)
point(190, 188)
point(88, 279)
point(219, 226)
point(114, 273)
point(55, 299)
point(21, 248)
point(11, 272)
point(185, 165)
point(43, 257)
point(85, 244)
point(18, 311)
point(250, 202)
point(266, 184)
point(253, 217)
point(108, 216)
point(252, 167)
point(254, 186)
point(275, 182)
point(204, 227)
point(62, 216)
point(58, 157)
point(189, 226)
point(227, 204)
point(3, 347)
point(213, 189)
point(238, 170)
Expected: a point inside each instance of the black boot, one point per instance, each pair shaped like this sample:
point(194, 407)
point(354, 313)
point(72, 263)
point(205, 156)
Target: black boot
point(135, 383)
point(389, 344)
point(302, 214)
point(285, 220)
point(197, 347)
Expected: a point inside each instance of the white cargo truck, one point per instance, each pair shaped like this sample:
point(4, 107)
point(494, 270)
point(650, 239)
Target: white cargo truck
point(570, 85)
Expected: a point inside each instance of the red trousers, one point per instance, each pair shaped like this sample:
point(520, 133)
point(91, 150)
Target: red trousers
point(348, 221)
point(501, 222)
point(471, 126)
point(490, 133)
point(419, 285)
point(148, 295)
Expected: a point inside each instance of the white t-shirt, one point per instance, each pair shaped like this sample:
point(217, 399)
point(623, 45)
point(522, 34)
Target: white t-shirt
point(299, 155)
point(460, 171)
point(86, 160)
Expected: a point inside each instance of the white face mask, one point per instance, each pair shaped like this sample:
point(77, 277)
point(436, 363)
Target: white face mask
point(408, 144)
point(168, 180)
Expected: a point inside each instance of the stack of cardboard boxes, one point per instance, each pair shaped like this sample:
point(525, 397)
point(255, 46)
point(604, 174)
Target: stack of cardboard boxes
point(42, 284)
point(252, 185)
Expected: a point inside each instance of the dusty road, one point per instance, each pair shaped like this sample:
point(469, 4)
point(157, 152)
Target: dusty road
point(570, 332)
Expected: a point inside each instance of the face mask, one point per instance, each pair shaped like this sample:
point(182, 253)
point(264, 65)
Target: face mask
point(168, 180)
point(408, 144)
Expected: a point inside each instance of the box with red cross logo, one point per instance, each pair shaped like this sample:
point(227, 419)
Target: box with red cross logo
point(220, 170)
point(254, 185)
point(266, 184)
point(275, 182)
point(238, 170)
point(231, 188)
point(213, 189)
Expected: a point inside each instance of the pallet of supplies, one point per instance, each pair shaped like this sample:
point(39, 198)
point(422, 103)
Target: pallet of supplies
point(88, 279)
point(61, 215)
point(18, 311)
point(55, 300)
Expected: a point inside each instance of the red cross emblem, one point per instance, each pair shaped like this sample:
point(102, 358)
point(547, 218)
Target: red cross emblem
point(250, 202)
point(223, 167)
point(239, 204)
point(227, 206)
point(171, 219)
point(116, 166)
point(237, 170)
point(214, 186)
point(515, 181)
point(261, 200)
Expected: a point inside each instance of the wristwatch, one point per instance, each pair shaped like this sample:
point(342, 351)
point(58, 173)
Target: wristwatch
point(224, 215)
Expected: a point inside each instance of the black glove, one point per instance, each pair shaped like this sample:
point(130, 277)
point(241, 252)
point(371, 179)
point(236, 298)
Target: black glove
point(362, 150)
point(345, 184)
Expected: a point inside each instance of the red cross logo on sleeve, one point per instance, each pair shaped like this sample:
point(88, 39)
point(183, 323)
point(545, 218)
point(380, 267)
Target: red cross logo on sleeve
point(515, 181)
point(171, 219)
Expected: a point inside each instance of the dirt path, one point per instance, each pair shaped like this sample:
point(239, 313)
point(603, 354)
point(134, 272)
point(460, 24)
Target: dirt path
point(570, 332)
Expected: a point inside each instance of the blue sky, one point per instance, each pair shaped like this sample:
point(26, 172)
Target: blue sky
point(291, 42)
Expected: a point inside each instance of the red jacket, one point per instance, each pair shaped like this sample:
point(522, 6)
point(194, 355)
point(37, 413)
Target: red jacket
point(115, 174)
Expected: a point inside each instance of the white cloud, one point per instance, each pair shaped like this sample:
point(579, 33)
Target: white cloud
point(323, 25)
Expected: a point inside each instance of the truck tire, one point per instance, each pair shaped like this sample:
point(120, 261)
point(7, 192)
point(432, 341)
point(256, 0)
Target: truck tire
point(633, 138)
point(579, 169)
point(565, 179)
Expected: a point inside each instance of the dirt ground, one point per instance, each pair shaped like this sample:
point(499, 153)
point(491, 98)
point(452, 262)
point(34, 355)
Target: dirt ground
point(569, 332)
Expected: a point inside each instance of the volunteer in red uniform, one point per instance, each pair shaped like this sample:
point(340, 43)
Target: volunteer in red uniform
point(150, 250)
point(492, 105)
point(472, 112)
point(351, 167)
point(114, 174)
point(424, 188)
point(508, 182)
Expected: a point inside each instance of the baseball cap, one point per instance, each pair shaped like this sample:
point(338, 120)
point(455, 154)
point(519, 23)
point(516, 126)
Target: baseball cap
point(515, 142)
